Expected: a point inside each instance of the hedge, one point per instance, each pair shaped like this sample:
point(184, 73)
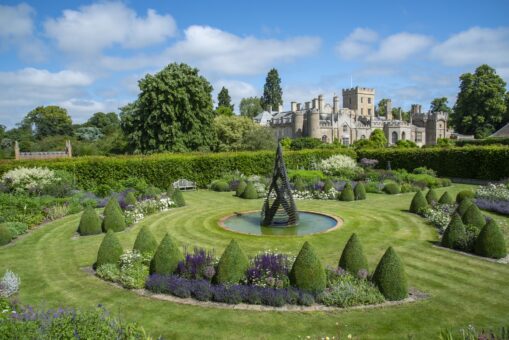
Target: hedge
point(487, 141)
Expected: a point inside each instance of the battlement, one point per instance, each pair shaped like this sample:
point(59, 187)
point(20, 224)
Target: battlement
point(357, 89)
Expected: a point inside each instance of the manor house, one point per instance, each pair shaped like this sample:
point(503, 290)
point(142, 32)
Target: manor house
point(355, 120)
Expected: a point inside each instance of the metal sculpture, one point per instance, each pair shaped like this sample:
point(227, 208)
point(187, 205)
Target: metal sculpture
point(279, 209)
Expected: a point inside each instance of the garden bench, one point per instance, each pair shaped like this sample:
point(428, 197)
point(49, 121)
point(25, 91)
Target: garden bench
point(184, 184)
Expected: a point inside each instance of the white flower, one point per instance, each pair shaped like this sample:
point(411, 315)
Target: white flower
point(336, 163)
point(9, 284)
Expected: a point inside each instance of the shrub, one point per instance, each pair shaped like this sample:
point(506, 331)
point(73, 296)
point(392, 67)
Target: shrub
point(464, 194)
point(250, 192)
point(328, 185)
point(299, 184)
point(220, 185)
point(307, 272)
point(90, 223)
point(197, 265)
point(145, 242)
point(178, 198)
point(113, 217)
point(431, 196)
point(240, 188)
point(446, 198)
point(463, 206)
point(232, 265)
point(347, 194)
point(9, 284)
point(133, 276)
point(5, 235)
point(339, 165)
point(360, 191)
point(16, 228)
point(490, 242)
point(130, 198)
point(419, 203)
point(166, 257)
point(473, 216)
point(347, 290)
point(422, 170)
point(389, 276)
point(353, 259)
point(392, 188)
point(108, 272)
point(306, 299)
point(454, 235)
point(109, 250)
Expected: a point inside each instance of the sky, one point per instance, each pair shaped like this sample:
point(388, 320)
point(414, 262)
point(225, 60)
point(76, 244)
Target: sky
point(88, 56)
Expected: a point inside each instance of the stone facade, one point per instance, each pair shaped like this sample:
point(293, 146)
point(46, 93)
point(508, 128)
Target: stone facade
point(354, 121)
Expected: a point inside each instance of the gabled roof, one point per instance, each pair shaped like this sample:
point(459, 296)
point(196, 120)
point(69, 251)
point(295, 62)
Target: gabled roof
point(503, 132)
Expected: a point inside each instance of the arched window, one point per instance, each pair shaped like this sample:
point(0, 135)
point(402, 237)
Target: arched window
point(324, 138)
point(403, 136)
point(363, 137)
point(394, 137)
point(345, 128)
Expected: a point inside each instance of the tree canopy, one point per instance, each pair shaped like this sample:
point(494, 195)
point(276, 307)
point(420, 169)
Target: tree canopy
point(381, 108)
point(250, 107)
point(272, 92)
point(49, 121)
point(440, 105)
point(106, 122)
point(224, 99)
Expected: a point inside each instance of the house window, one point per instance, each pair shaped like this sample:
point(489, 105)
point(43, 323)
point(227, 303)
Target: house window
point(324, 138)
point(369, 100)
point(394, 137)
point(403, 135)
point(345, 128)
point(362, 111)
point(369, 112)
point(363, 137)
point(346, 141)
point(362, 99)
point(418, 137)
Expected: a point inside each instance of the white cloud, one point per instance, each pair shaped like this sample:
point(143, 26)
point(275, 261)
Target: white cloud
point(357, 44)
point(39, 78)
point(475, 46)
point(82, 109)
point(400, 46)
point(93, 28)
point(16, 21)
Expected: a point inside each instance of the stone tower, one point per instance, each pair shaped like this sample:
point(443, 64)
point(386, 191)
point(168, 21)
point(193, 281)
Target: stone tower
point(361, 100)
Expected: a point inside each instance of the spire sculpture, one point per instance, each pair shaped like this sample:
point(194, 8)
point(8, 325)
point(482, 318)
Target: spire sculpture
point(279, 208)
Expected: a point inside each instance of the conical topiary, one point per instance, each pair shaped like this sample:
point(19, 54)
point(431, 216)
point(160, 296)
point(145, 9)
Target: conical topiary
point(232, 265)
point(170, 191)
point(220, 185)
point(446, 198)
point(299, 184)
point(359, 191)
point(491, 242)
point(327, 185)
point(418, 203)
point(130, 198)
point(464, 194)
point(5, 235)
point(353, 259)
point(166, 257)
point(474, 216)
point(113, 216)
point(431, 196)
point(347, 193)
point(240, 188)
point(250, 192)
point(454, 235)
point(110, 250)
point(146, 242)
point(463, 206)
point(307, 272)
point(90, 223)
point(392, 188)
point(178, 198)
point(389, 276)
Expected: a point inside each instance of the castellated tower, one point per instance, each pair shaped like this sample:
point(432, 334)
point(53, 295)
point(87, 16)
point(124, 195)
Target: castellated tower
point(436, 127)
point(361, 100)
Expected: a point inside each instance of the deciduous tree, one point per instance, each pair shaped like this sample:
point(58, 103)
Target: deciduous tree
point(250, 107)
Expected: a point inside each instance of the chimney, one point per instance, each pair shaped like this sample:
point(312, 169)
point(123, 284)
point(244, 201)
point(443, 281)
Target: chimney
point(280, 108)
point(335, 104)
point(306, 105)
point(320, 103)
point(298, 107)
point(293, 106)
point(315, 103)
point(269, 108)
point(388, 106)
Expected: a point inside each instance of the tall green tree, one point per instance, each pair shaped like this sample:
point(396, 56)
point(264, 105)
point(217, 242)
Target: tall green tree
point(49, 121)
point(250, 107)
point(106, 122)
point(173, 112)
point(224, 99)
point(272, 92)
point(480, 108)
point(381, 108)
point(440, 105)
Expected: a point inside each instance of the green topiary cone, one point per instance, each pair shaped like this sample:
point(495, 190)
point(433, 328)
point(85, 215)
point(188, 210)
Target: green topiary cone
point(240, 188)
point(178, 198)
point(250, 192)
point(347, 194)
point(418, 203)
point(130, 198)
point(464, 194)
point(113, 217)
point(166, 257)
point(431, 196)
point(146, 242)
point(463, 206)
point(454, 235)
point(327, 185)
point(389, 276)
point(474, 216)
point(491, 242)
point(110, 250)
point(446, 198)
point(5, 235)
point(307, 272)
point(360, 191)
point(392, 188)
point(353, 259)
point(232, 265)
point(90, 223)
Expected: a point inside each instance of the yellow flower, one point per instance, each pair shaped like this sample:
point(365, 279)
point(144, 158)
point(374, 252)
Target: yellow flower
point(349, 336)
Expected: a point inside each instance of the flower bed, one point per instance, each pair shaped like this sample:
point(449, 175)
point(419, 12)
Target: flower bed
point(493, 197)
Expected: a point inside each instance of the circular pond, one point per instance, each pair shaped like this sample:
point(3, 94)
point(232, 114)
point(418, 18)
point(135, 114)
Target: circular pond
point(309, 223)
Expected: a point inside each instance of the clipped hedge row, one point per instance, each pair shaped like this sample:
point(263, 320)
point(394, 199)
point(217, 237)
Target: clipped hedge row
point(487, 141)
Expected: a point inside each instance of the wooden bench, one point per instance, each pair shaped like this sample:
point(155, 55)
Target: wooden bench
point(184, 184)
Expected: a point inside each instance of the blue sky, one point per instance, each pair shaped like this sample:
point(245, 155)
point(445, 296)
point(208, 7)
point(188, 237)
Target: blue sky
point(88, 56)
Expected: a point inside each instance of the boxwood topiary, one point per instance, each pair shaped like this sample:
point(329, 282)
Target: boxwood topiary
point(166, 257)
point(463, 206)
point(431, 196)
point(299, 184)
point(464, 194)
point(353, 259)
point(178, 198)
point(5, 235)
point(454, 235)
point(113, 217)
point(220, 185)
point(240, 188)
point(347, 194)
point(130, 198)
point(307, 271)
point(232, 265)
point(360, 191)
point(446, 198)
point(145, 242)
point(392, 188)
point(389, 276)
point(110, 250)
point(418, 203)
point(90, 223)
point(491, 242)
point(474, 216)
point(250, 192)
point(328, 185)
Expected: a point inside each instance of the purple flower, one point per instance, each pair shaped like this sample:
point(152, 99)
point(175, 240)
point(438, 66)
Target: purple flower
point(197, 265)
point(501, 207)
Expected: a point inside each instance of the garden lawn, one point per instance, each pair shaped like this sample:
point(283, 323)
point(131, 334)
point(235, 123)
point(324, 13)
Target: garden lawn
point(463, 290)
